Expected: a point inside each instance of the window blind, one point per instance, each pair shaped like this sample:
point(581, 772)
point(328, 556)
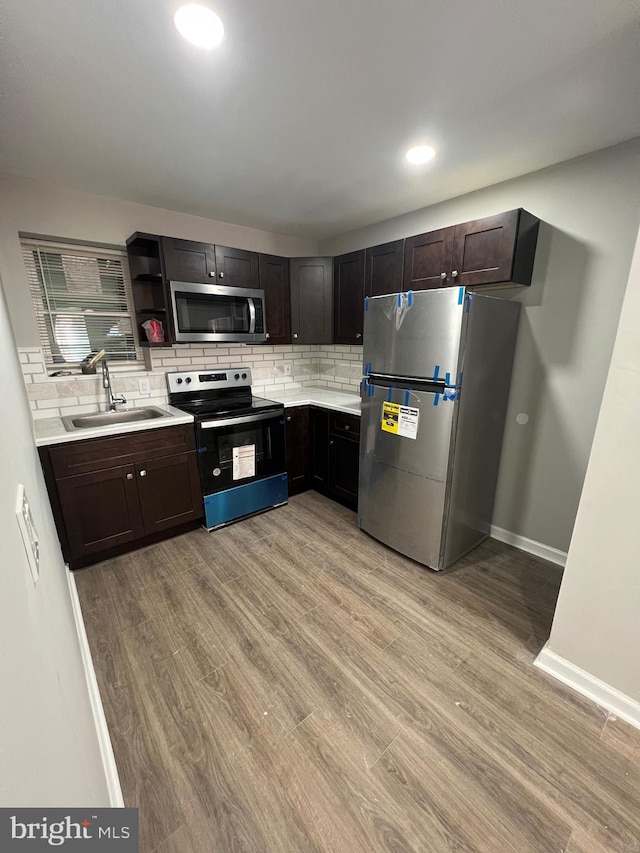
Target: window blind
point(83, 301)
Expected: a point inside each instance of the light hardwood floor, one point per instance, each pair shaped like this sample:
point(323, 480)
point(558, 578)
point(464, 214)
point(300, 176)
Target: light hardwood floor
point(289, 684)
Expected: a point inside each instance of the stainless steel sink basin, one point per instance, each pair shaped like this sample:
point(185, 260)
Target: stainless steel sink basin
point(103, 419)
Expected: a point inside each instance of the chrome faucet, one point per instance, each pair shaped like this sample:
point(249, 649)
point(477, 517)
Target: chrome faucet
point(112, 400)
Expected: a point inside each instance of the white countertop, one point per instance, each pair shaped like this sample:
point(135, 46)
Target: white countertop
point(52, 430)
point(325, 398)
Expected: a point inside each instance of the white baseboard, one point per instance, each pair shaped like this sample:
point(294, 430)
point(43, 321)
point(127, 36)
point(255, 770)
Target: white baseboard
point(538, 549)
point(116, 799)
point(583, 682)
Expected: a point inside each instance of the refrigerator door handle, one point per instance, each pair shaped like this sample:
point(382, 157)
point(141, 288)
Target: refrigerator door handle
point(411, 383)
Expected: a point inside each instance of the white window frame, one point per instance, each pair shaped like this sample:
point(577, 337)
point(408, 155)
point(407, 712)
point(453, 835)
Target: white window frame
point(28, 244)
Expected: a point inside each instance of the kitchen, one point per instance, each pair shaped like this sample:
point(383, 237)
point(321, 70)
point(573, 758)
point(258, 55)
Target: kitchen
point(588, 210)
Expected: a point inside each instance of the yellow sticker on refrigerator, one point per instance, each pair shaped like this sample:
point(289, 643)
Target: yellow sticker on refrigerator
point(399, 420)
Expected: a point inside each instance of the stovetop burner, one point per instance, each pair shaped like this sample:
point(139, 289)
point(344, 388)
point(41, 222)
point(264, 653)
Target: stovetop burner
point(223, 392)
point(203, 408)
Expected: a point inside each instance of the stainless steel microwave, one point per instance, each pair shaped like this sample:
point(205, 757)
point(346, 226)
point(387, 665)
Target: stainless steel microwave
point(215, 313)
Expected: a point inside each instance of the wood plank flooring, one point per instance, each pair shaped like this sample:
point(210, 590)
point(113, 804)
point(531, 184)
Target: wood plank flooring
point(287, 684)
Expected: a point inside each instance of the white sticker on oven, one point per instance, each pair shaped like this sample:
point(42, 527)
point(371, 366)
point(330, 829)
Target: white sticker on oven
point(244, 462)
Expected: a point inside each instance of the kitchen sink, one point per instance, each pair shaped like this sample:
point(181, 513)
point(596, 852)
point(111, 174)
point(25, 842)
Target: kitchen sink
point(103, 419)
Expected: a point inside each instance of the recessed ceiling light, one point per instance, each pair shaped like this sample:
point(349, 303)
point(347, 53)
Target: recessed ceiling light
point(420, 154)
point(199, 25)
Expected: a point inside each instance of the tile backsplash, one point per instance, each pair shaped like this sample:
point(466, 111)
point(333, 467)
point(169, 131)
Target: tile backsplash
point(275, 370)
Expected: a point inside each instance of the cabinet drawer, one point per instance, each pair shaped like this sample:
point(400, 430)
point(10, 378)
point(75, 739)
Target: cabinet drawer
point(341, 423)
point(95, 454)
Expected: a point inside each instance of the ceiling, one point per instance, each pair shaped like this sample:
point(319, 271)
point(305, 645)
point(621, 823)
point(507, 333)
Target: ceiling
point(298, 122)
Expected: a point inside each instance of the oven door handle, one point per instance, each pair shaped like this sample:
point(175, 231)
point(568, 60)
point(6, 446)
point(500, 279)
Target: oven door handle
point(252, 316)
point(245, 419)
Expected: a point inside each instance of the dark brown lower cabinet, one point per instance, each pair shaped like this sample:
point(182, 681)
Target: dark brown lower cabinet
point(114, 494)
point(319, 449)
point(296, 428)
point(343, 469)
point(169, 490)
point(323, 453)
point(100, 510)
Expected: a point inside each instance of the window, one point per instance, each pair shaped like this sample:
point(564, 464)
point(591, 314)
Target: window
point(83, 301)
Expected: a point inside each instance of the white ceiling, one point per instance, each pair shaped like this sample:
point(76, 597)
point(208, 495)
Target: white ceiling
point(298, 122)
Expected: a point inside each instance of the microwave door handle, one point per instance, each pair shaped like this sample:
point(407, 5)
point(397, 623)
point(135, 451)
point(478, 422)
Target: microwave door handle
point(252, 315)
point(246, 419)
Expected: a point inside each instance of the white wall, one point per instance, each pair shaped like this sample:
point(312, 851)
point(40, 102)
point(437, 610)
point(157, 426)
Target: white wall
point(596, 624)
point(590, 209)
point(49, 752)
point(276, 370)
point(36, 208)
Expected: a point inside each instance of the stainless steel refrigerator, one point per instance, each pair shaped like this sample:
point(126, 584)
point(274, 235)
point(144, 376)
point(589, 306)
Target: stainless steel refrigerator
point(437, 367)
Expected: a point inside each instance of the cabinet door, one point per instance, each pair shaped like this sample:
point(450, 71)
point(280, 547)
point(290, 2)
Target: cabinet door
point(311, 300)
point(274, 280)
point(343, 468)
point(237, 267)
point(100, 510)
point(319, 423)
point(170, 493)
point(186, 260)
point(427, 260)
point(296, 420)
point(348, 298)
point(383, 268)
point(485, 250)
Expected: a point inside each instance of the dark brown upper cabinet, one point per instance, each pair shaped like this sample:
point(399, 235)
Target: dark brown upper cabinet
point(311, 300)
point(186, 260)
point(383, 268)
point(274, 280)
point(348, 298)
point(237, 267)
point(427, 260)
point(495, 250)
point(491, 251)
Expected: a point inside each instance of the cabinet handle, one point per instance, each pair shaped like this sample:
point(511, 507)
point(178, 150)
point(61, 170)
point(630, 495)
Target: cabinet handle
point(295, 334)
point(454, 274)
point(267, 335)
point(443, 275)
point(212, 274)
point(288, 417)
point(331, 444)
point(221, 275)
point(129, 476)
point(346, 426)
point(143, 473)
point(358, 335)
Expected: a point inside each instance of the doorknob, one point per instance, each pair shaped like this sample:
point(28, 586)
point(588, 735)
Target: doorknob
point(443, 275)
point(454, 274)
point(129, 476)
point(212, 274)
point(221, 274)
point(358, 335)
point(143, 473)
point(295, 334)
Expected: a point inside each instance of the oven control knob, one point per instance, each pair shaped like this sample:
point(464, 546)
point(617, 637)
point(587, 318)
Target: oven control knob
point(188, 380)
point(178, 381)
point(237, 376)
point(244, 375)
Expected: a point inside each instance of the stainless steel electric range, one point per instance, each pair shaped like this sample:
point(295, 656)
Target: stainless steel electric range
point(239, 439)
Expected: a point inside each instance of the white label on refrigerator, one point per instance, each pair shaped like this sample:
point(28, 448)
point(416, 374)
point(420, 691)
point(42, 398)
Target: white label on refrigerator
point(399, 420)
point(244, 462)
point(408, 422)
